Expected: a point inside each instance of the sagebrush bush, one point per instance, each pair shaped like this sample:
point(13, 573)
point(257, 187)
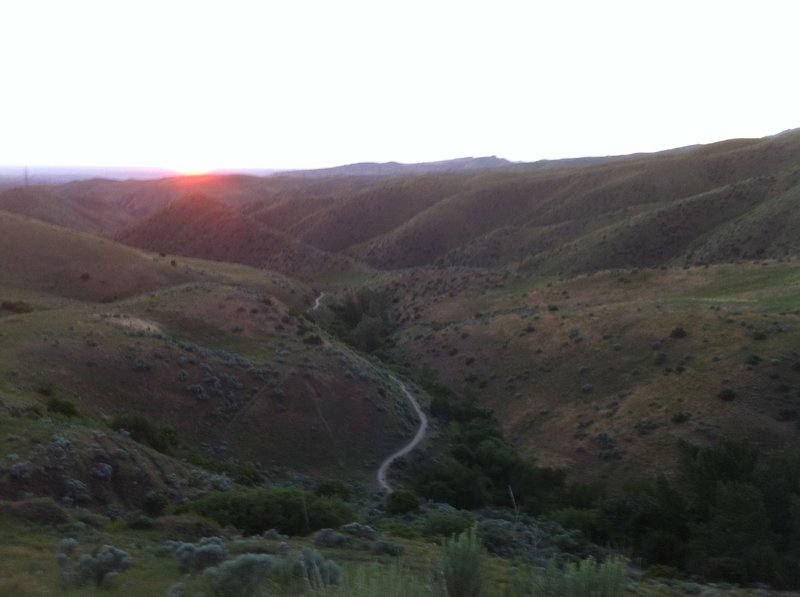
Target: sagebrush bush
point(464, 565)
point(389, 548)
point(193, 557)
point(307, 567)
point(241, 576)
point(95, 568)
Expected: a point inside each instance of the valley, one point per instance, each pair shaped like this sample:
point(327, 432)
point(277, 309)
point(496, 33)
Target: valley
point(564, 341)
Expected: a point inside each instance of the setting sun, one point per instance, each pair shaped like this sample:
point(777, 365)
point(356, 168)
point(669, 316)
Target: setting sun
point(190, 169)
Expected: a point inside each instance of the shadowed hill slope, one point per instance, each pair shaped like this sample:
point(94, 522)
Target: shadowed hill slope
point(71, 264)
point(200, 226)
point(42, 204)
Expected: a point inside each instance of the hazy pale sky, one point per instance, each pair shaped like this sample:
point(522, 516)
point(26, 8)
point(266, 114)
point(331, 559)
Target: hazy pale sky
point(289, 84)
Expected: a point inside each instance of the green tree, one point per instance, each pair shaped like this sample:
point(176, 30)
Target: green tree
point(736, 542)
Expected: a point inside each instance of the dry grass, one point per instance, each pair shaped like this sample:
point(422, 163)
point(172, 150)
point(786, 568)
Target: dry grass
point(531, 364)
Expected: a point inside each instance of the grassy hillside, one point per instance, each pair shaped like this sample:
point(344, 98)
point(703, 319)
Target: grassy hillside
point(221, 356)
point(594, 374)
point(61, 262)
point(42, 204)
point(591, 316)
point(200, 226)
point(716, 203)
point(548, 220)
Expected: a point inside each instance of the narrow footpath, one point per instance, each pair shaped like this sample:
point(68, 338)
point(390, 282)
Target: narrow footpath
point(383, 471)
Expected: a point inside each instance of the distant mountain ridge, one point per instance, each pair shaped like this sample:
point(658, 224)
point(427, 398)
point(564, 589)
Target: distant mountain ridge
point(722, 202)
point(397, 168)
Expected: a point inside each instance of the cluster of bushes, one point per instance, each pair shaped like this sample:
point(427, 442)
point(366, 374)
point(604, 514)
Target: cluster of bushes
point(242, 472)
point(96, 568)
point(363, 319)
point(290, 511)
point(464, 569)
point(729, 514)
point(246, 573)
point(480, 468)
point(163, 439)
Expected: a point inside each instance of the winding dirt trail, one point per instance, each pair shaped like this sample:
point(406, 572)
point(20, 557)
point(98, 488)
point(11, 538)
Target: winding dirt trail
point(420, 435)
point(317, 301)
point(383, 471)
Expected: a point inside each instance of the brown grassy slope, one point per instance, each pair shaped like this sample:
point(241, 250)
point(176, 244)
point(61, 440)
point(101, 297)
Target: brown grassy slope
point(45, 258)
point(41, 263)
point(122, 203)
point(205, 227)
point(585, 374)
point(348, 220)
point(41, 204)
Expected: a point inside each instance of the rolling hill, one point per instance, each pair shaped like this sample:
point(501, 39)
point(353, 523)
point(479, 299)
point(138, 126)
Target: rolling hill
point(716, 203)
point(547, 293)
point(602, 374)
point(221, 355)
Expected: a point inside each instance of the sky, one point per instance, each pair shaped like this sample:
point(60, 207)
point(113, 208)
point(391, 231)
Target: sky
point(201, 85)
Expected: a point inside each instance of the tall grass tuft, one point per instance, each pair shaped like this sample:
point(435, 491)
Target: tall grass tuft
point(587, 578)
point(464, 565)
point(375, 580)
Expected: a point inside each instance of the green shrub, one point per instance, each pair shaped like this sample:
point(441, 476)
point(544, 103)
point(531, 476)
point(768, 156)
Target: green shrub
point(332, 488)
point(163, 439)
point(752, 360)
point(402, 501)
point(313, 339)
point(464, 565)
point(155, 502)
point(727, 394)
point(663, 571)
point(398, 529)
point(16, 306)
point(678, 332)
point(445, 525)
point(582, 519)
point(61, 407)
point(290, 511)
point(681, 417)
